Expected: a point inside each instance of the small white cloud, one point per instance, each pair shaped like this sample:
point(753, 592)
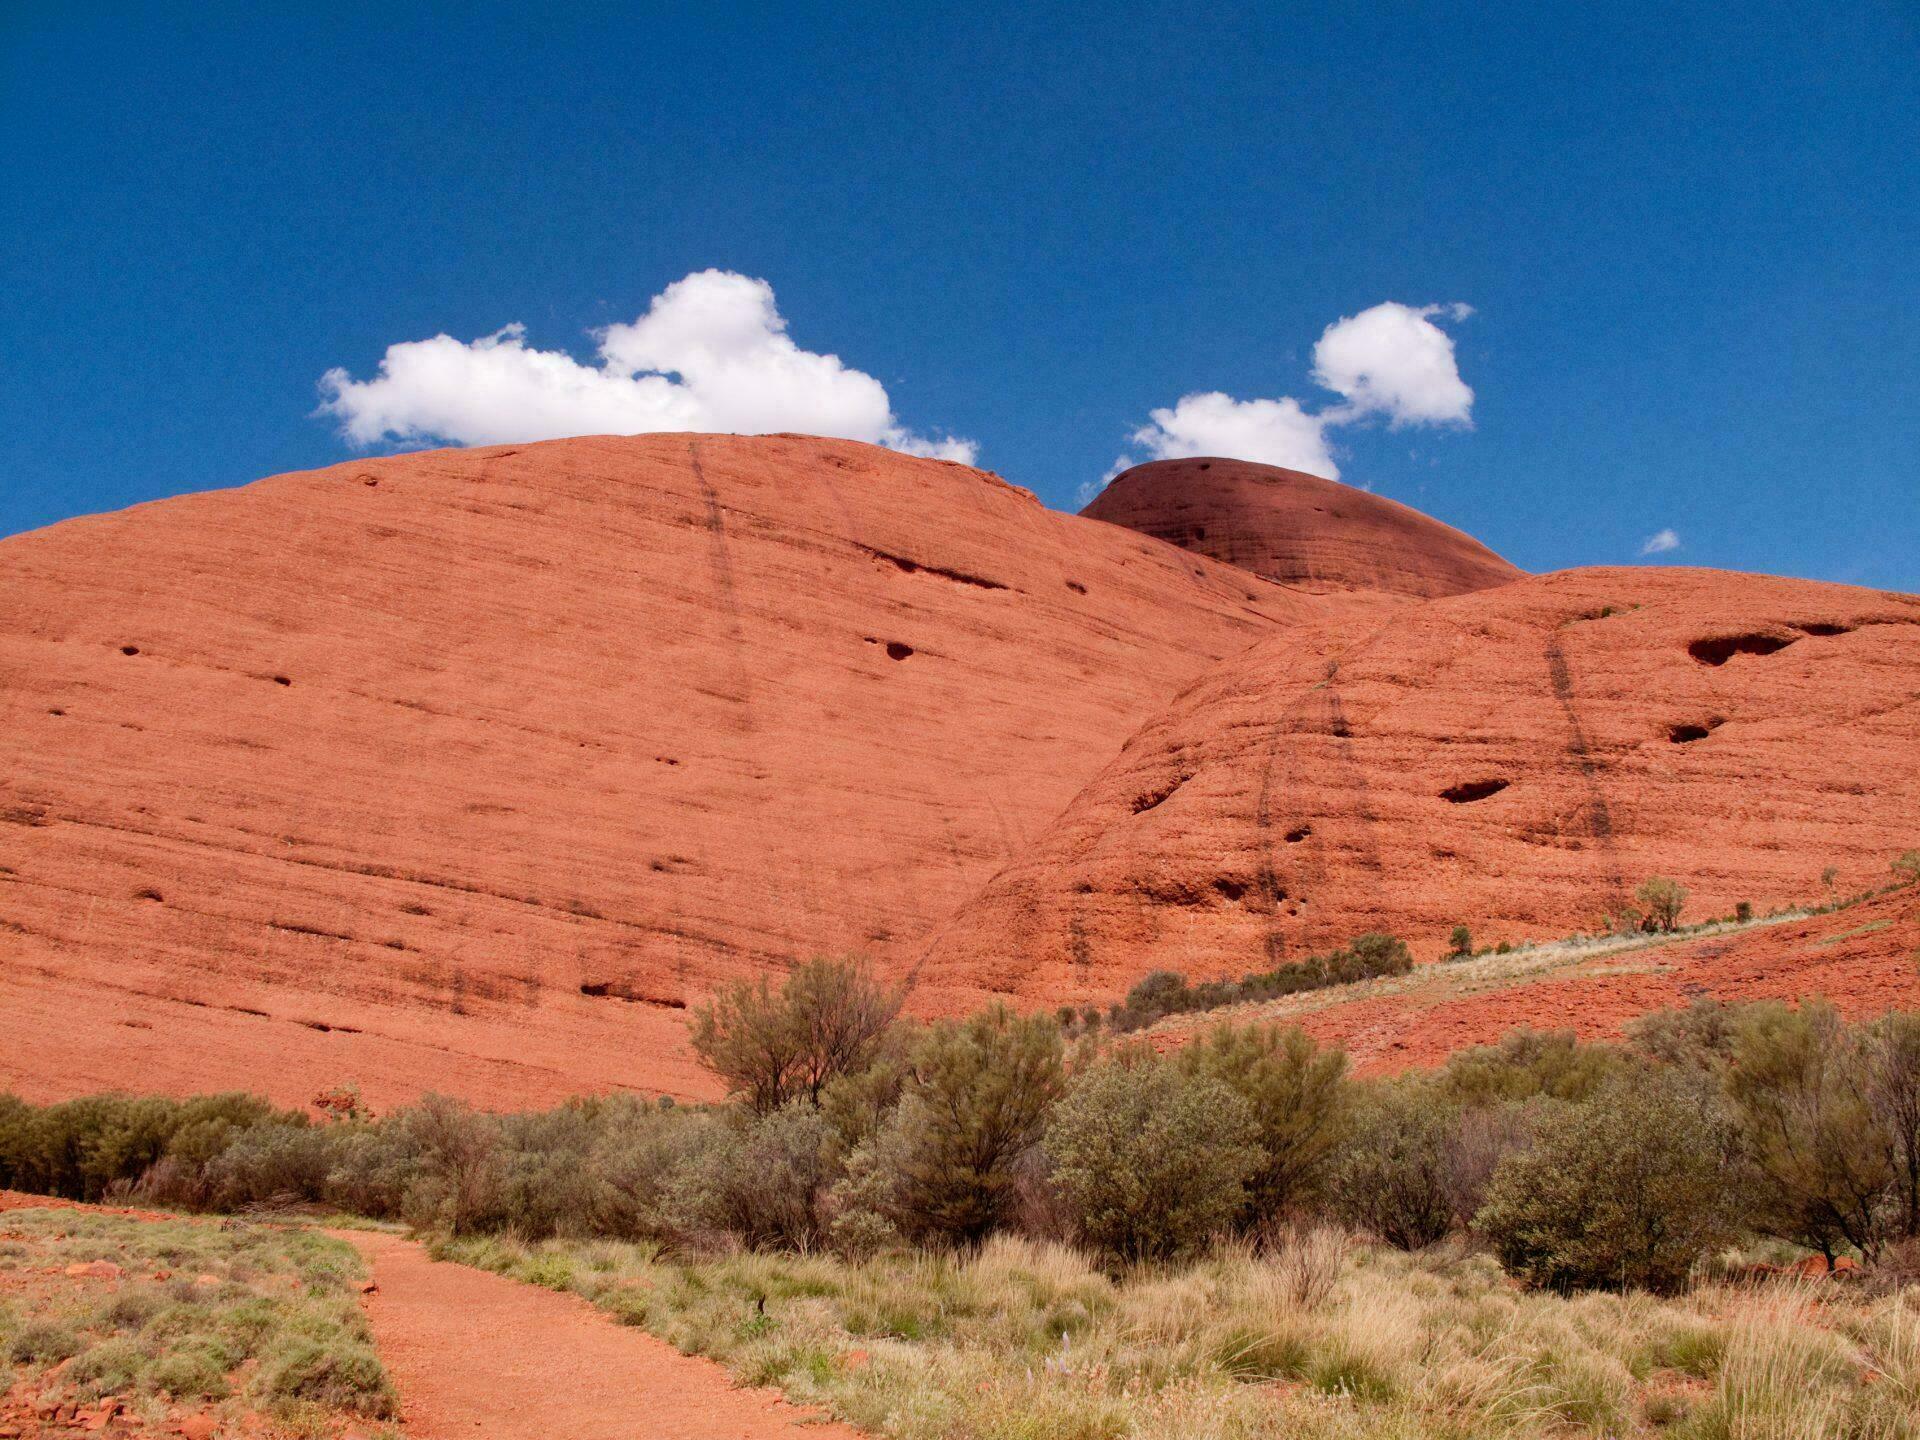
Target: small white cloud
point(1389, 362)
point(1660, 542)
point(711, 353)
point(1273, 432)
point(1392, 360)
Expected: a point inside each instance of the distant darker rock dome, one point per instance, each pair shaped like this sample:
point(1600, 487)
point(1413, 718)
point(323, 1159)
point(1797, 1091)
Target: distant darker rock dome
point(1299, 530)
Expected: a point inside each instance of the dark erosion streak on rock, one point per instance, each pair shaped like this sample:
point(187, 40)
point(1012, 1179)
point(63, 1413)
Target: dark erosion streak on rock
point(722, 563)
point(1600, 825)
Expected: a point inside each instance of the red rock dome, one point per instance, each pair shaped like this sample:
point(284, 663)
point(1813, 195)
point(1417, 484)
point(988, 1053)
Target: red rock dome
point(470, 769)
point(1298, 530)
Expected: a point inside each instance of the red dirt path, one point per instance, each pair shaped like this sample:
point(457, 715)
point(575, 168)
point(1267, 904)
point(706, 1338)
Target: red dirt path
point(476, 1354)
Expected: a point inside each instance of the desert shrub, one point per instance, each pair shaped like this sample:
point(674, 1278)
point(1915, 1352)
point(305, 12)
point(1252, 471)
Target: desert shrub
point(1460, 943)
point(544, 1181)
point(80, 1149)
point(112, 1366)
point(1296, 1093)
point(639, 1158)
point(973, 1105)
point(342, 1376)
point(373, 1168)
point(1525, 1064)
point(1389, 1175)
point(456, 1181)
point(1662, 900)
point(1480, 1137)
point(1151, 1158)
point(828, 1018)
point(43, 1341)
point(764, 1178)
point(1165, 992)
point(1892, 1045)
point(1624, 1190)
point(1906, 867)
point(266, 1164)
point(1799, 1083)
point(1700, 1035)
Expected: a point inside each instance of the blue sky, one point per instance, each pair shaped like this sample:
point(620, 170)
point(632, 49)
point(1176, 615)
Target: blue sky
point(1690, 235)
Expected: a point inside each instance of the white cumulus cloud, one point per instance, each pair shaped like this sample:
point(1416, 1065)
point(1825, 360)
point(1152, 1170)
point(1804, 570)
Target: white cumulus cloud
point(1390, 362)
point(711, 353)
point(1660, 542)
point(1274, 432)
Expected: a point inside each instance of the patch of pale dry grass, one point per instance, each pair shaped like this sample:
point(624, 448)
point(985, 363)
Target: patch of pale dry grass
point(1027, 1341)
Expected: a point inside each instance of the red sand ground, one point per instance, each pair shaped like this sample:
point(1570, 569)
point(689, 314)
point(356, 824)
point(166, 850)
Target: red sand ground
point(477, 1354)
point(1517, 759)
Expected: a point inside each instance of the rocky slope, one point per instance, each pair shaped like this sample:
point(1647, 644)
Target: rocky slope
point(1299, 530)
point(1518, 759)
point(1865, 958)
point(470, 768)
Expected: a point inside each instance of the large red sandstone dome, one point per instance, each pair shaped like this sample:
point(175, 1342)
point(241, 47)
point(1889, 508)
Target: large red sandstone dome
point(471, 770)
point(1299, 530)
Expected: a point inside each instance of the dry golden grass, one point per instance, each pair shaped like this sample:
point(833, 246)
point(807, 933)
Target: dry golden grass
point(1026, 1341)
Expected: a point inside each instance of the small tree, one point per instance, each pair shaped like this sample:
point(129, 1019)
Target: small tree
point(1297, 1094)
point(1460, 943)
point(1663, 900)
point(1906, 867)
point(1150, 1159)
point(1800, 1086)
point(1893, 1097)
point(1624, 1191)
point(973, 1105)
point(828, 1018)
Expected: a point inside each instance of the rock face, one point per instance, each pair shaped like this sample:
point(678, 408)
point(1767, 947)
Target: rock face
point(1299, 530)
point(469, 769)
point(1518, 759)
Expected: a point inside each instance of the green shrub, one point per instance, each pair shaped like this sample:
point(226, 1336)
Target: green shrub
point(1389, 1176)
point(1296, 1093)
point(1662, 900)
point(1460, 943)
point(1627, 1190)
point(973, 1107)
point(1151, 1158)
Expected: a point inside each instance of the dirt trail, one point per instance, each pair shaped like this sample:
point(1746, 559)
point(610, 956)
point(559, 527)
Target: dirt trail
point(482, 1357)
